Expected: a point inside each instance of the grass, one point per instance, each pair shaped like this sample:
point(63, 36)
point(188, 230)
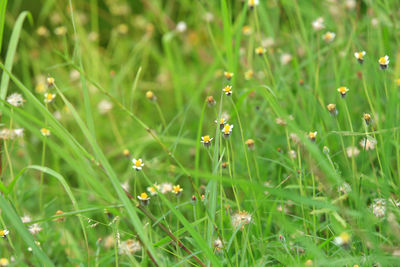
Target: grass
point(293, 199)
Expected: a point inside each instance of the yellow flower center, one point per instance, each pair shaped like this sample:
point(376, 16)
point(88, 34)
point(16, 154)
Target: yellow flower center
point(343, 90)
point(311, 135)
point(251, 3)
point(206, 138)
point(177, 189)
point(138, 163)
point(221, 121)
point(49, 96)
point(2, 232)
point(227, 89)
point(227, 128)
point(360, 55)
point(382, 60)
point(143, 196)
point(345, 237)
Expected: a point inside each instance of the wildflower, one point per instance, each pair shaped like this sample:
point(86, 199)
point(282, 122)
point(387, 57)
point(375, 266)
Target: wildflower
point(352, 151)
point(250, 143)
point(60, 31)
point(286, 58)
point(208, 17)
point(40, 88)
point(177, 190)
point(292, 154)
point(360, 56)
point(280, 121)
point(253, 3)
point(383, 62)
point(345, 188)
point(150, 96)
point(35, 228)
point(49, 97)
point(153, 189)
point(329, 37)
point(268, 42)
point(248, 75)
point(260, 50)
point(224, 165)
point(218, 245)
point(228, 75)
point(227, 90)
point(4, 233)
point(45, 132)
point(343, 91)
point(342, 240)
point(50, 81)
point(42, 31)
point(227, 130)
point(368, 143)
point(19, 132)
point(104, 106)
point(241, 218)
point(126, 152)
point(194, 199)
point(129, 247)
point(312, 136)
point(318, 24)
point(332, 109)
point(122, 29)
point(26, 219)
point(221, 122)
point(15, 100)
point(379, 207)
point(206, 140)
point(367, 118)
point(309, 263)
point(326, 150)
point(165, 188)
point(181, 26)
point(137, 164)
point(211, 101)
point(350, 4)
point(4, 262)
point(246, 30)
point(59, 219)
point(144, 199)
point(294, 138)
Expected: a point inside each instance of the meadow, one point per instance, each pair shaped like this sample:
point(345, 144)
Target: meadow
point(199, 133)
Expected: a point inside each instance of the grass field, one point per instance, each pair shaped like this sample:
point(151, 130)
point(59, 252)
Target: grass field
point(199, 133)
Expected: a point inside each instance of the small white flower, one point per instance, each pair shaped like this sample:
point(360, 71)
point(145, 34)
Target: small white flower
point(153, 189)
point(384, 62)
point(104, 106)
point(329, 37)
point(129, 247)
point(181, 26)
point(49, 97)
point(4, 233)
point(360, 56)
point(206, 140)
point(165, 188)
point(35, 228)
point(137, 164)
point(318, 24)
point(352, 151)
point(379, 207)
point(286, 58)
point(345, 188)
point(227, 130)
point(26, 219)
point(19, 132)
point(368, 143)
point(342, 239)
point(241, 218)
point(15, 100)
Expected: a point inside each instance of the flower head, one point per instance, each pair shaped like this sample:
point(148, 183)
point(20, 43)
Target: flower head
point(211, 101)
point(59, 219)
point(260, 50)
point(312, 136)
point(218, 245)
point(4, 233)
point(367, 118)
point(379, 207)
point(153, 189)
point(60, 31)
point(15, 100)
point(345, 188)
point(360, 56)
point(137, 164)
point(241, 218)
point(352, 151)
point(221, 123)
point(4, 262)
point(228, 75)
point(332, 109)
point(342, 240)
point(318, 24)
point(104, 106)
point(144, 198)
point(50, 81)
point(246, 30)
point(129, 247)
point(165, 188)
point(368, 143)
point(329, 37)
point(49, 97)
point(35, 228)
point(343, 91)
point(45, 132)
point(177, 190)
point(227, 90)
point(250, 143)
point(253, 3)
point(248, 75)
point(206, 140)
point(151, 96)
point(227, 130)
point(181, 26)
point(26, 219)
point(286, 58)
point(383, 62)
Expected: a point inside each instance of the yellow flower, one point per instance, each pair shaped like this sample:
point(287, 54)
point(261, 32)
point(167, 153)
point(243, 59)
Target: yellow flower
point(246, 30)
point(250, 143)
point(150, 96)
point(45, 132)
point(343, 91)
point(227, 130)
point(153, 189)
point(253, 3)
point(228, 75)
point(329, 37)
point(137, 164)
point(144, 198)
point(332, 109)
point(49, 97)
point(383, 62)
point(367, 118)
point(342, 240)
point(248, 75)
point(206, 140)
point(177, 189)
point(227, 90)
point(4, 262)
point(221, 123)
point(312, 135)
point(211, 101)
point(4, 233)
point(360, 56)
point(260, 50)
point(50, 81)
